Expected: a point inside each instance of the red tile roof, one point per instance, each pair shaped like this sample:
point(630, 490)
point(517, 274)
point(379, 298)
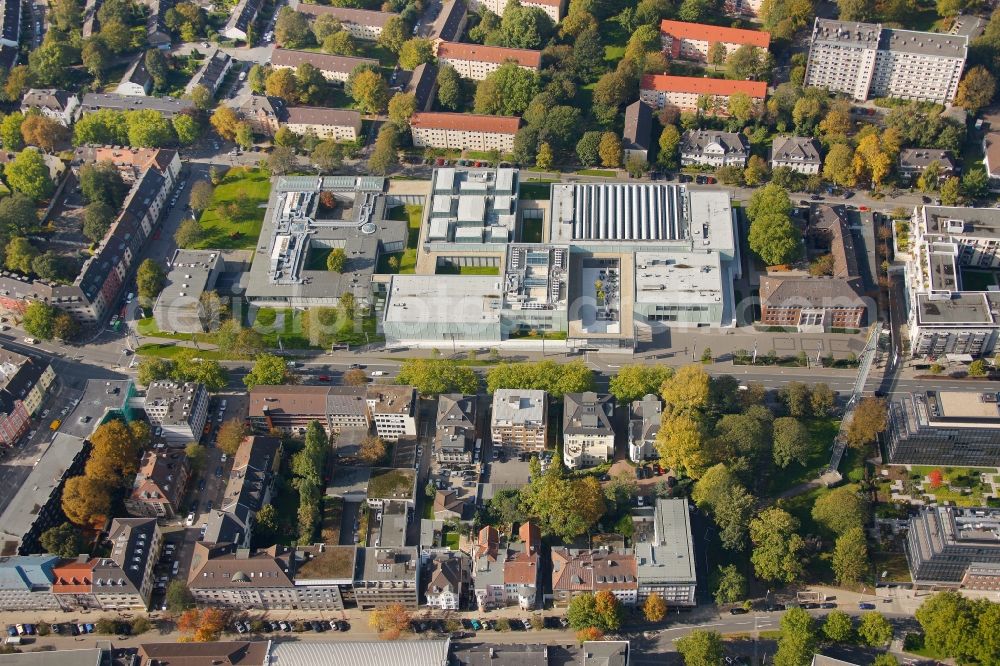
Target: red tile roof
point(550, 3)
point(467, 122)
point(714, 33)
point(703, 86)
point(494, 54)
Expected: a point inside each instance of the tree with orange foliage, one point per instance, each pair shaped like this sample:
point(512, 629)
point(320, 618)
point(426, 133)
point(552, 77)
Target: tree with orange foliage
point(936, 479)
point(390, 621)
point(203, 625)
point(609, 610)
point(589, 634)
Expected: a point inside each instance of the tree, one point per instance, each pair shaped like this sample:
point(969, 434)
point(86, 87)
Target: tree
point(976, 90)
point(202, 194)
point(189, 233)
point(791, 442)
point(583, 613)
point(43, 132)
point(225, 121)
point(524, 27)
point(101, 182)
point(150, 279)
point(871, 161)
point(670, 139)
point(774, 239)
point(340, 43)
point(114, 458)
point(733, 512)
point(355, 377)
point(281, 161)
point(798, 640)
point(86, 502)
point(609, 610)
point(97, 219)
point(230, 436)
point(148, 129)
point(885, 659)
point(857, 10)
point(29, 175)
point(95, 57)
point(588, 147)
point(748, 62)
point(390, 622)
point(717, 54)
point(282, 83)
point(393, 34)
point(776, 546)
point(563, 506)
point(186, 128)
point(267, 369)
point(38, 320)
point(291, 29)
point(451, 90)
point(370, 92)
point(756, 171)
point(205, 625)
point(385, 154)
point(64, 326)
point(506, 91)
point(850, 556)
point(687, 390)
point(951, 191)
point(195, 454)
point(679, 444)
point(544, 158)
point(401, 107)
point(838, 167)
point(950, 625)
point(701, 647)
point(730, 586)
point(415, 52)
point(869, 420)
point(610, 150)
point(694, 11)
point(634, 381)
point(372, 450)
point(838, 627)
point(434, 376)
point(336, 260)
point(557, 379)
point(20, 253)
point(875, 629)
point(62, 540)
point(156, 65)
point(179, 597)
point(841, 510)
point(19, 214)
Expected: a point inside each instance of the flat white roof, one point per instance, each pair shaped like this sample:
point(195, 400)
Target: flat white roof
point(678, 277)
point(444, 298)
point(711, 210)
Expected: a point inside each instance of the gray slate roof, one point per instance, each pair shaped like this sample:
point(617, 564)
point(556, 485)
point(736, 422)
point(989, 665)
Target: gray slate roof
point(338, 653)
point(588, 414)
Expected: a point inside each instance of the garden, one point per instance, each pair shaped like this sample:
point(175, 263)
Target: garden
point(405, 261)
point(234, 218)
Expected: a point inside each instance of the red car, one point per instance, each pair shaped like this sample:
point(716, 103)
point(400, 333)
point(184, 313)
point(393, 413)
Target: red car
point(324, 378)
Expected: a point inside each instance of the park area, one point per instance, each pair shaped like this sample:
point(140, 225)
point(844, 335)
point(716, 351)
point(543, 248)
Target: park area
point(234, 218)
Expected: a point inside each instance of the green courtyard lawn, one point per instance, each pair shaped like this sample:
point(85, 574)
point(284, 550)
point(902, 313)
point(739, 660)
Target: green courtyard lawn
point(451, 269)
point(531, 230)
point(240, 231)
point(407, 259)
point(535, 189)
point(959, 485)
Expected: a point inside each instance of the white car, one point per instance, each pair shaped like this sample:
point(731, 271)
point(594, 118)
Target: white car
point(190, 519)
point(31, 341)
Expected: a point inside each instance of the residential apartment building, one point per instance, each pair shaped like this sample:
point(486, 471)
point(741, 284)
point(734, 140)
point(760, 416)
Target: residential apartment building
point(576, 572)
point(519, 422)
point(242, 20)
point(124, 581)
point(450, 22)
point(347, 408)
point(255, 466)
point(715, 149)
point(475, 61)
point(157, 33)
point(943, 542)
point(945, 428)
point(692, 41)
point(914, 161)
point(211, 74)
point(179, 410)
point(332, 67)
point(553, 8)
point(866, 60)
point(944, 316)
point(456, 429)
point(324, 576)
point(263, 113)
point(636, 135)
point(643, 427)
point(287, 408)
point(324, 123)
point(666, 564)
point(422, 84)
point(588, 435)
point(26, 583)
point(159, 485)
point(167, 107)
point(359, 23)
point(136, 81)
point(10, 24)
point(448, 505)
point(393, 410)
point(507, 573)
point(464, 131)
point(73, 585)
point(812, 304)
point(387, 576)
point(24, 385)
point(98, 287)
point(798, 153)
point(448, 579)
point(61, 106)
point(36, 505)
point(684, 92)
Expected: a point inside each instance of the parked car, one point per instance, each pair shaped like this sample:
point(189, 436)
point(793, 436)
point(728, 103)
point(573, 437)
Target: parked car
point(738, 611)
point(864, 605)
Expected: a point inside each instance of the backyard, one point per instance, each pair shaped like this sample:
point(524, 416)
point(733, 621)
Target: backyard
point(405, 261)
point(391, 484)
point(234, 218)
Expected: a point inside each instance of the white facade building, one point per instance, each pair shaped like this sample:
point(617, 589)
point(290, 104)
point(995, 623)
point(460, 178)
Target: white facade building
point(464, 131)
point(588, 435)
point(474, 61)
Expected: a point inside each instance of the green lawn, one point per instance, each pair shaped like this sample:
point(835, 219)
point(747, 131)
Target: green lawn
point(968, 491)
point(615, 39)
point(147, 326)
point(293, 336)
point(451, 540)
point(598, 172)
point(391, 483)
point(451, 269)
point(165, 350)
point(407, 259)
point(535, 189)
point(249, 186)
